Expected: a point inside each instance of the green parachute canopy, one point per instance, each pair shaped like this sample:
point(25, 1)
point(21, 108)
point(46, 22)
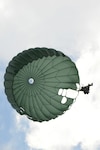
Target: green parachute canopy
point(34, 80)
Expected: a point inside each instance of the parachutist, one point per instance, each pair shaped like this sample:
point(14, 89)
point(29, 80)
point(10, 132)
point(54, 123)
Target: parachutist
point(86, 89)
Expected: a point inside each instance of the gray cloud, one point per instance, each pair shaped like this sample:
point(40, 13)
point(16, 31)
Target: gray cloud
point(68, 26)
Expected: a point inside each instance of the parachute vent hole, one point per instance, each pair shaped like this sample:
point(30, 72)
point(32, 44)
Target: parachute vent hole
point(30, 80)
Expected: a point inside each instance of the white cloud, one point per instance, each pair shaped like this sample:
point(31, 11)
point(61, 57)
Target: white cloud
point(63, 25)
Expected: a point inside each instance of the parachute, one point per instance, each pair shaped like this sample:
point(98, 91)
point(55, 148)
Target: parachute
point(36, 83)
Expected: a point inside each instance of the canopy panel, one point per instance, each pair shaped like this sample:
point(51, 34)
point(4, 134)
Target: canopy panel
point(33, 79)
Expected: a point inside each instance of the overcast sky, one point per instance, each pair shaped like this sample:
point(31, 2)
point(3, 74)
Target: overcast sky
point(73, 27)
